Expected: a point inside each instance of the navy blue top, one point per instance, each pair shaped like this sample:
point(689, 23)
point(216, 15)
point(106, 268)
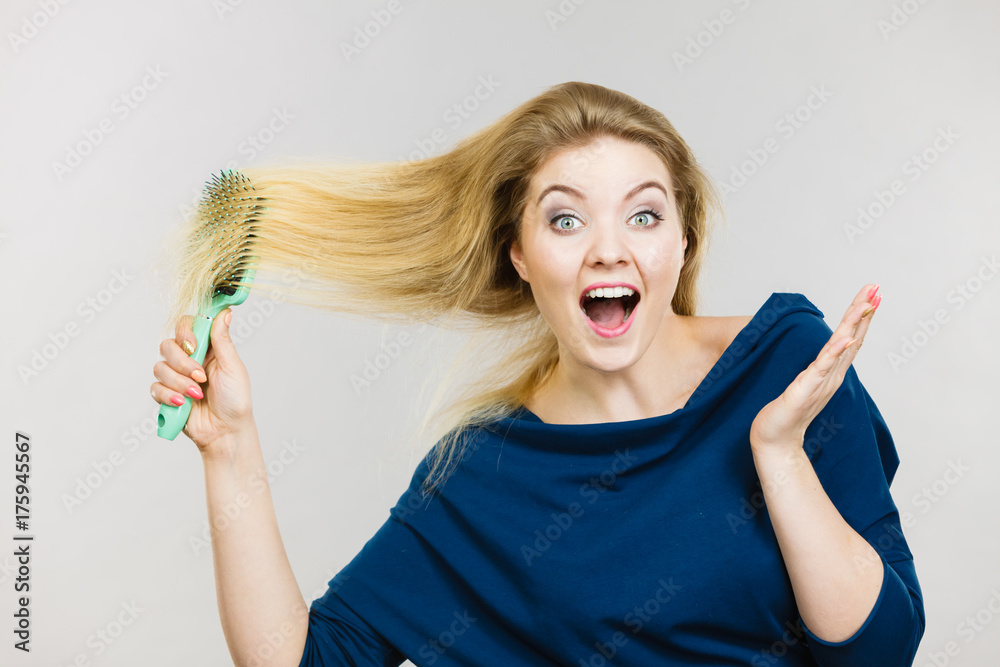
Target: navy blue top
point(642, 542)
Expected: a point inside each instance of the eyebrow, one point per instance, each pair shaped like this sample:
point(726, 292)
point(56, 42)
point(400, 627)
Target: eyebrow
point(573, 191)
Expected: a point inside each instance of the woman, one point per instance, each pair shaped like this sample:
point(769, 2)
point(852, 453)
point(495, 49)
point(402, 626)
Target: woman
point(633, 485)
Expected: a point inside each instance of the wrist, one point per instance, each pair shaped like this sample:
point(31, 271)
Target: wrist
point(788, 452)
point(228, 446)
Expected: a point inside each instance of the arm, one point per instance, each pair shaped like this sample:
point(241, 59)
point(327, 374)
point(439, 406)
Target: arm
point(828, 562)
point(830, 506)
point(264, 616)
point(859, 605)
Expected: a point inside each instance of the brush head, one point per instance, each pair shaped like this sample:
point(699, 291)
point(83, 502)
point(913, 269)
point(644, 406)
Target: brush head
point(230, 210)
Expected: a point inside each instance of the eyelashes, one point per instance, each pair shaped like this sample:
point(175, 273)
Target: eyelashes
point(568, 216)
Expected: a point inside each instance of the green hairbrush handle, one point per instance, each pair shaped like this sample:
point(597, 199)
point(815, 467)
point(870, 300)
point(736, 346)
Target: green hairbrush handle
point(172, 419)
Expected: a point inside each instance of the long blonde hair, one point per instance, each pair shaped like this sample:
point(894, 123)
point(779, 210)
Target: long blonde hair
point(428, 240)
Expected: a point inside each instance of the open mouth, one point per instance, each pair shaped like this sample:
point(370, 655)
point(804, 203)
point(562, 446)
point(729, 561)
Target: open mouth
point(609, 312)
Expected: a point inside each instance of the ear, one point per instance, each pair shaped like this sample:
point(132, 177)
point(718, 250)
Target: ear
point(517, 259)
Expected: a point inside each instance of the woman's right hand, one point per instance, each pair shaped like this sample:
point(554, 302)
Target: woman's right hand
point(222, 381)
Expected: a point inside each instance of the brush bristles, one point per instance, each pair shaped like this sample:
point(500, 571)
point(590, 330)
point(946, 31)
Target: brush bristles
point(229, 210)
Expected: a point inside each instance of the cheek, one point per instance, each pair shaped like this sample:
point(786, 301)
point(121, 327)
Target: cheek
point(660, 259)
point(554, 278)
point(552, 265)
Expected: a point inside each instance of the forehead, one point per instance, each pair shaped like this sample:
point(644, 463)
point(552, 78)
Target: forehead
point(605, 160)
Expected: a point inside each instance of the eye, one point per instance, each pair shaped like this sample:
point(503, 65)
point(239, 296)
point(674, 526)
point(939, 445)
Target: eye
point(564, 223)
point(647, 218)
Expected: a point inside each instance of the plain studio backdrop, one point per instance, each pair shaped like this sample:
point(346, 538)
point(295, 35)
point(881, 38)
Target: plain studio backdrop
point(856, 142)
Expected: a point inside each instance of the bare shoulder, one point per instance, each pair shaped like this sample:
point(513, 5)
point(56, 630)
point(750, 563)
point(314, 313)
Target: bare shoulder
point(719, 331)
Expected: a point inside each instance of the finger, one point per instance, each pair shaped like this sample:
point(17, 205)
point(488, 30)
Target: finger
point(849, 325)
point(851, 348)
point(222, 343)
point(828, 360)
point(860, 297)
point(184, 334)
point(176, 382)
point(165, 395)
point(179, 360)
point(863, 323)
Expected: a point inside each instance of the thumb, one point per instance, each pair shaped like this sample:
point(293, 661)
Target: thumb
point(222, 343)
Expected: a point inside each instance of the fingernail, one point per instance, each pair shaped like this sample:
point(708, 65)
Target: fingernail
point(187, 346)
point(177, 400)
point(229, 317)
point(873, 291)
point(873, 307)
point(199, 375)
point(195, 392)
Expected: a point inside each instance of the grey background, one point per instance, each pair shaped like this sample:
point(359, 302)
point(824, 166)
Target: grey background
point(226, 69)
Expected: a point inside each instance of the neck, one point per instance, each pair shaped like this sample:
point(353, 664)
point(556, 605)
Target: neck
point(576, 393)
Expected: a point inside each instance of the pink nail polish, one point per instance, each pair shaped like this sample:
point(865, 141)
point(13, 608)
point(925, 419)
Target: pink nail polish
point(177, 400)
point(873, 291)
point(195, 392)
point(876, 303)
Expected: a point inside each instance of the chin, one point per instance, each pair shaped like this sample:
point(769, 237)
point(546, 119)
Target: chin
point(611, 361)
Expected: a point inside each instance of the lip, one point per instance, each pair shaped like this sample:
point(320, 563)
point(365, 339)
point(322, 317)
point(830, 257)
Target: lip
point(624, 326)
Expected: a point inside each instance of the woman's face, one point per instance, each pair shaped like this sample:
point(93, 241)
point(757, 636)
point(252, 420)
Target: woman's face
point(603, 214)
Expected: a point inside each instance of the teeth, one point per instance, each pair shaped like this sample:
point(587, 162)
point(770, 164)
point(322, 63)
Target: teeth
point(609, 292)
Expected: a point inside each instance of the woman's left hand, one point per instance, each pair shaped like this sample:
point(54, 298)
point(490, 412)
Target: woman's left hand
point(782, 423)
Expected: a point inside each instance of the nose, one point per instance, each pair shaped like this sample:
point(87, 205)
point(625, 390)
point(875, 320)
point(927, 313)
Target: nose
point(607, 245)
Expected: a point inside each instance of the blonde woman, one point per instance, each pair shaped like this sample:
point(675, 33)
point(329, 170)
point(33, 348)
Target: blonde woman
point(632, 484)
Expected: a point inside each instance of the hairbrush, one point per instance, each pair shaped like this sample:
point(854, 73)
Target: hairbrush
point(229, 212)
